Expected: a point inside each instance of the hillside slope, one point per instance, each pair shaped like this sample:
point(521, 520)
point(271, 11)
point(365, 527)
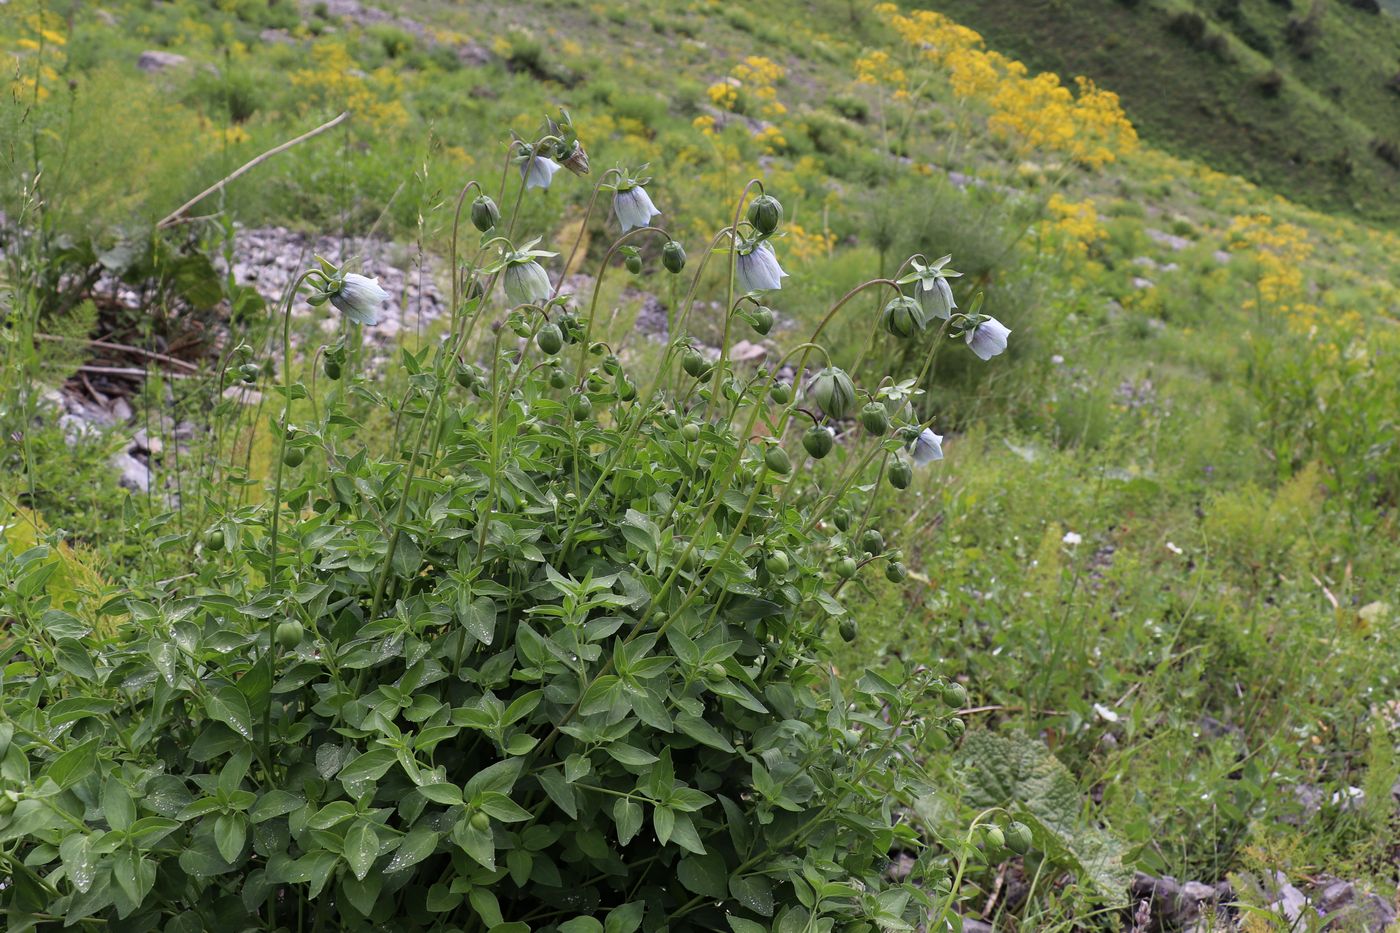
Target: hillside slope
point(1302, 96)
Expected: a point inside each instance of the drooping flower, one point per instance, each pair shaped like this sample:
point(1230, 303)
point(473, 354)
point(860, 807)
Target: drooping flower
point(359, 298)
point(538, 171)
point(932, 289)
point(833, 391)
point(757, 268)
point(633, 207)
point(928, 447)
point(526, 281)
point(902, 317)
point(988, 338)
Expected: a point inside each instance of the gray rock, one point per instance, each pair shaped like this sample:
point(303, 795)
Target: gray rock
point(1141, 283)
point(1168, 240)
point(1370, 913)
point(1335, 896)
point(121, 411)
point(154, 60)
point(973, 925)
point(135, 475)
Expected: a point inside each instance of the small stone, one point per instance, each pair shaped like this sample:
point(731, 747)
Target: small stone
point(744, 352)
point(1196, 891)
point(154, 60)
point(135, 475)
point(1335, 896)
point(973, 925)
point(121, 411)
point(243, 395)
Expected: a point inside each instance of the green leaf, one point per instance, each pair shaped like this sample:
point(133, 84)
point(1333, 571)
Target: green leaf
point(559, 791)
point(479, 618)
point(740, 925)
point(755, 892)
point(663, 820)
point(447, 794)
point(630, 754)
point(230, 707)
point(361, 848)
point(704, 733)
point(627, 814)
point(499, 777)
point(624, 919)
point(704, 875)
point(370, 766)
point(413, 848)
point(504, 809)
point(480, 844)
point(230, 832)
point(581, 925)
point(486, 907)
point(78, 861)
point(275, 803)
point(117, 806)
point(74, 765)
point(362, 893)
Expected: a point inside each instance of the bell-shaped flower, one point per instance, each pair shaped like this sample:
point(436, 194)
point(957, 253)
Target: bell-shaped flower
point(359, 298)
point(526, 281)
point(757, 268)
point(931, 287)
point(988, 338)
point(928, 447)
point(538, 171)
point(633, 207)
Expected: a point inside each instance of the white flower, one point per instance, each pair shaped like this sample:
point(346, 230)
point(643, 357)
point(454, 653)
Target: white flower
point(1072, 538)
point(1105, 713)
point(538, 171)
point(633, 208)
point(758, 269)
point(936, 298)
point(988, 339)
point(1174, 549)
point(527, 283)
point(359, 298)
point(928, 447)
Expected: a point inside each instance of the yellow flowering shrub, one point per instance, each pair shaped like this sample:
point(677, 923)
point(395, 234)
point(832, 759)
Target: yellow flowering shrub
point(333, 80)
point(36, 55)
point(1278, 251)
point(1072, 224)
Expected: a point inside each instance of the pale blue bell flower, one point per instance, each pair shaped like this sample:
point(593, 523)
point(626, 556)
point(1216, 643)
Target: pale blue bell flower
point(634, 208)
point(758, 269)
point(928, 447)
point(359, 298)
point(538, 171)
point(527, 283)
point(988, 339)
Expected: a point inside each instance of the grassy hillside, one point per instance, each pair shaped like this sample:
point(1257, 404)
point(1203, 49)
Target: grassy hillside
point(1153, 576)
point(1302, 96)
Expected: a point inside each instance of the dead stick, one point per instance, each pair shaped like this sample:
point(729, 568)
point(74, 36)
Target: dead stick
point(105, 345)
point(175, 215)
point(123, 371)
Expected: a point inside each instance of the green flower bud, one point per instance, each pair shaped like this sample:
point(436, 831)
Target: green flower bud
point(846, 568)
point(558, 379)
point(996, 839)
point(954, 695)
point(777, 460)
point(833, 392)
point(249, 372)
point(289, 633)
point(634, 264)
point(842, 519)
point(895, 572)
point(874, 418)
point(694, 363)
point(581, 407)
point(1018, 838)
point(765, 213)
point(625, 388)
point(485, 213)
point(691, 432)
point(903, 317)
point(480, 821)
point(763, 320)
point(214, 540)
point(332, 368)
point(872, 542)
point(293, 457)
point(818, 441)
point(848, 629)
point(777, 563)
point(611, 364)
point(955, 728)
point(851, 737)
point(780, 392)
point(901, 474)
point(673, 257)
point(550, 339)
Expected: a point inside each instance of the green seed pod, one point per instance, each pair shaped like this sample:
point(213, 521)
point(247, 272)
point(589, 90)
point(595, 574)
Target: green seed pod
point(293, 457)
point(691, 432)
point(611, 364)
point(833, 392)
point(848, 629)
point(818, 441)
point(550, 339)
point(895, 572)
point(332, 368)
point(1018, 838)
point(249, 372)
point(673, 257)
point(777, 563)
point(464, 375)
point(242, 353)
point(955, 728)
point(634, 264)
point(581, 407)
point(780, 392)
point(996, 839)
point(289, 633)
point(846, 568)
point(875, 419)
point(872, 542)
point(595, 382)
point(214, 540)
point(693, 362)
point(954, 695)
point(765, 213)
point(625, 388)
point(558, 379)
point(777, 460)
point(763, 319)
point(842, 519)
point(901, 474)
point(903, 317)
point(480, 821)
point(485, 213)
